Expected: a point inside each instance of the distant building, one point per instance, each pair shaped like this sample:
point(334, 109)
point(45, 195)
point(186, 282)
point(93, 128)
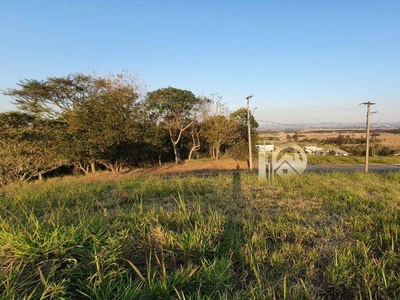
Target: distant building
point(314, 150)
point(266, 148)
point(337, 152)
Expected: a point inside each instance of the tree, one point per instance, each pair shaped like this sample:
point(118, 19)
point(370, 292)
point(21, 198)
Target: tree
point(100, 113)
point(177, 109)
point(195, 131)
point(156, 141)
point(296, 136)
point(219, 128)
point(108, 123)
point(240, 148)
point(56, 96)
point(29, 146)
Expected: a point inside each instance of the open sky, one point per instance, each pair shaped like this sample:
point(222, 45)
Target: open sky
point(303, 61)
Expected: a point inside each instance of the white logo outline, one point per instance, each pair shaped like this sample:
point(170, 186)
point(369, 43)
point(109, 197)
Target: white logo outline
point(289, 165)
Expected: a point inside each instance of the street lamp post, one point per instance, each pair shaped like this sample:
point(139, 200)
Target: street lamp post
point(249, 132)
point(368, 104)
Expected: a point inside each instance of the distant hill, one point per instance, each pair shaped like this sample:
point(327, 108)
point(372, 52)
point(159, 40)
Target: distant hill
point(328, 125)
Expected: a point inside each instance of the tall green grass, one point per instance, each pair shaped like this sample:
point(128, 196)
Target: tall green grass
point(323, 236)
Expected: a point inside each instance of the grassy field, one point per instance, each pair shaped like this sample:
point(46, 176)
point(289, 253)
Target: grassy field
point(325, 236)
point(350, 160)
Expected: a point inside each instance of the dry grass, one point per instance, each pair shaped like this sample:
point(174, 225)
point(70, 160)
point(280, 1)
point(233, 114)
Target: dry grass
point(323, 236)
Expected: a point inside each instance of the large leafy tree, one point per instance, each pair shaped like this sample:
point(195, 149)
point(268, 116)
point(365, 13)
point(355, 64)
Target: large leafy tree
point(195, 131)
point(106, 124)
point(219, 129)
point(239, 149)
point(156, 142)
point(100, 112)
point(56, 96)
point(30, 146)
point(177, 109)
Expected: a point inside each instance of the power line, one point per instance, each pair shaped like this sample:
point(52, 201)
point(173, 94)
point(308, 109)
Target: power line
point(332, 112)
point(280, 101)
point(282, 124)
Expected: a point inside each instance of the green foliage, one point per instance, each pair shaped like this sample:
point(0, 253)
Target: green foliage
point(240, 150)
point(29, 146)
point(55, 96)
point(79, 122)
point(102, 116)
point(220, 132)
point(356, 146)
point(106, 126)
point(349, 160)
point(177, 109)
point(326, 236)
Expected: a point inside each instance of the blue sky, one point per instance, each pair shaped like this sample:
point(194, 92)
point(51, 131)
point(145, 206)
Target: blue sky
point(304, 61)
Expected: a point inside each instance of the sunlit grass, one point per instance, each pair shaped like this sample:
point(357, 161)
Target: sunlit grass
point(323, 236)
point(344, 160)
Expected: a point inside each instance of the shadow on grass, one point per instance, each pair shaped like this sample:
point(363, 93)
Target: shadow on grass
point(236, 186)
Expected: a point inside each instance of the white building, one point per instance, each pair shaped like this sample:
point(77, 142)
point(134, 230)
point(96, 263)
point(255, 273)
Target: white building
point(266, 148)
point(314, 150)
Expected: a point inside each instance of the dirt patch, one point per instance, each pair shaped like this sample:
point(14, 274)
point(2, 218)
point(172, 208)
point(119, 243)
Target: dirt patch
point(189, 167)
point(195, 166)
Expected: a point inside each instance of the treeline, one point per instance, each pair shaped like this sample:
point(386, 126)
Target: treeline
point(355, 146)
point(81, 123)
point(344, 139)
point(375, 149)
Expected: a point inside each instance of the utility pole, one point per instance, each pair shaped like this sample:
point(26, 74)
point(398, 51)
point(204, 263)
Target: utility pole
point(249, 132)
point(368, 104)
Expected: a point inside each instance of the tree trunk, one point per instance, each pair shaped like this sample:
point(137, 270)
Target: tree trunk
point(195, 143)
point(93, 167)
point(194, 148)
point(190, 153)
point(80, 166)
point(176, 153)
point(217, 147)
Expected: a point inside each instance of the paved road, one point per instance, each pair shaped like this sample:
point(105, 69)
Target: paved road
point(352, 168)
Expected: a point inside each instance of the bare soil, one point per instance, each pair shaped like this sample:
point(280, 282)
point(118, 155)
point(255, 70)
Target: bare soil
point(188, 167)
point(198, 166)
